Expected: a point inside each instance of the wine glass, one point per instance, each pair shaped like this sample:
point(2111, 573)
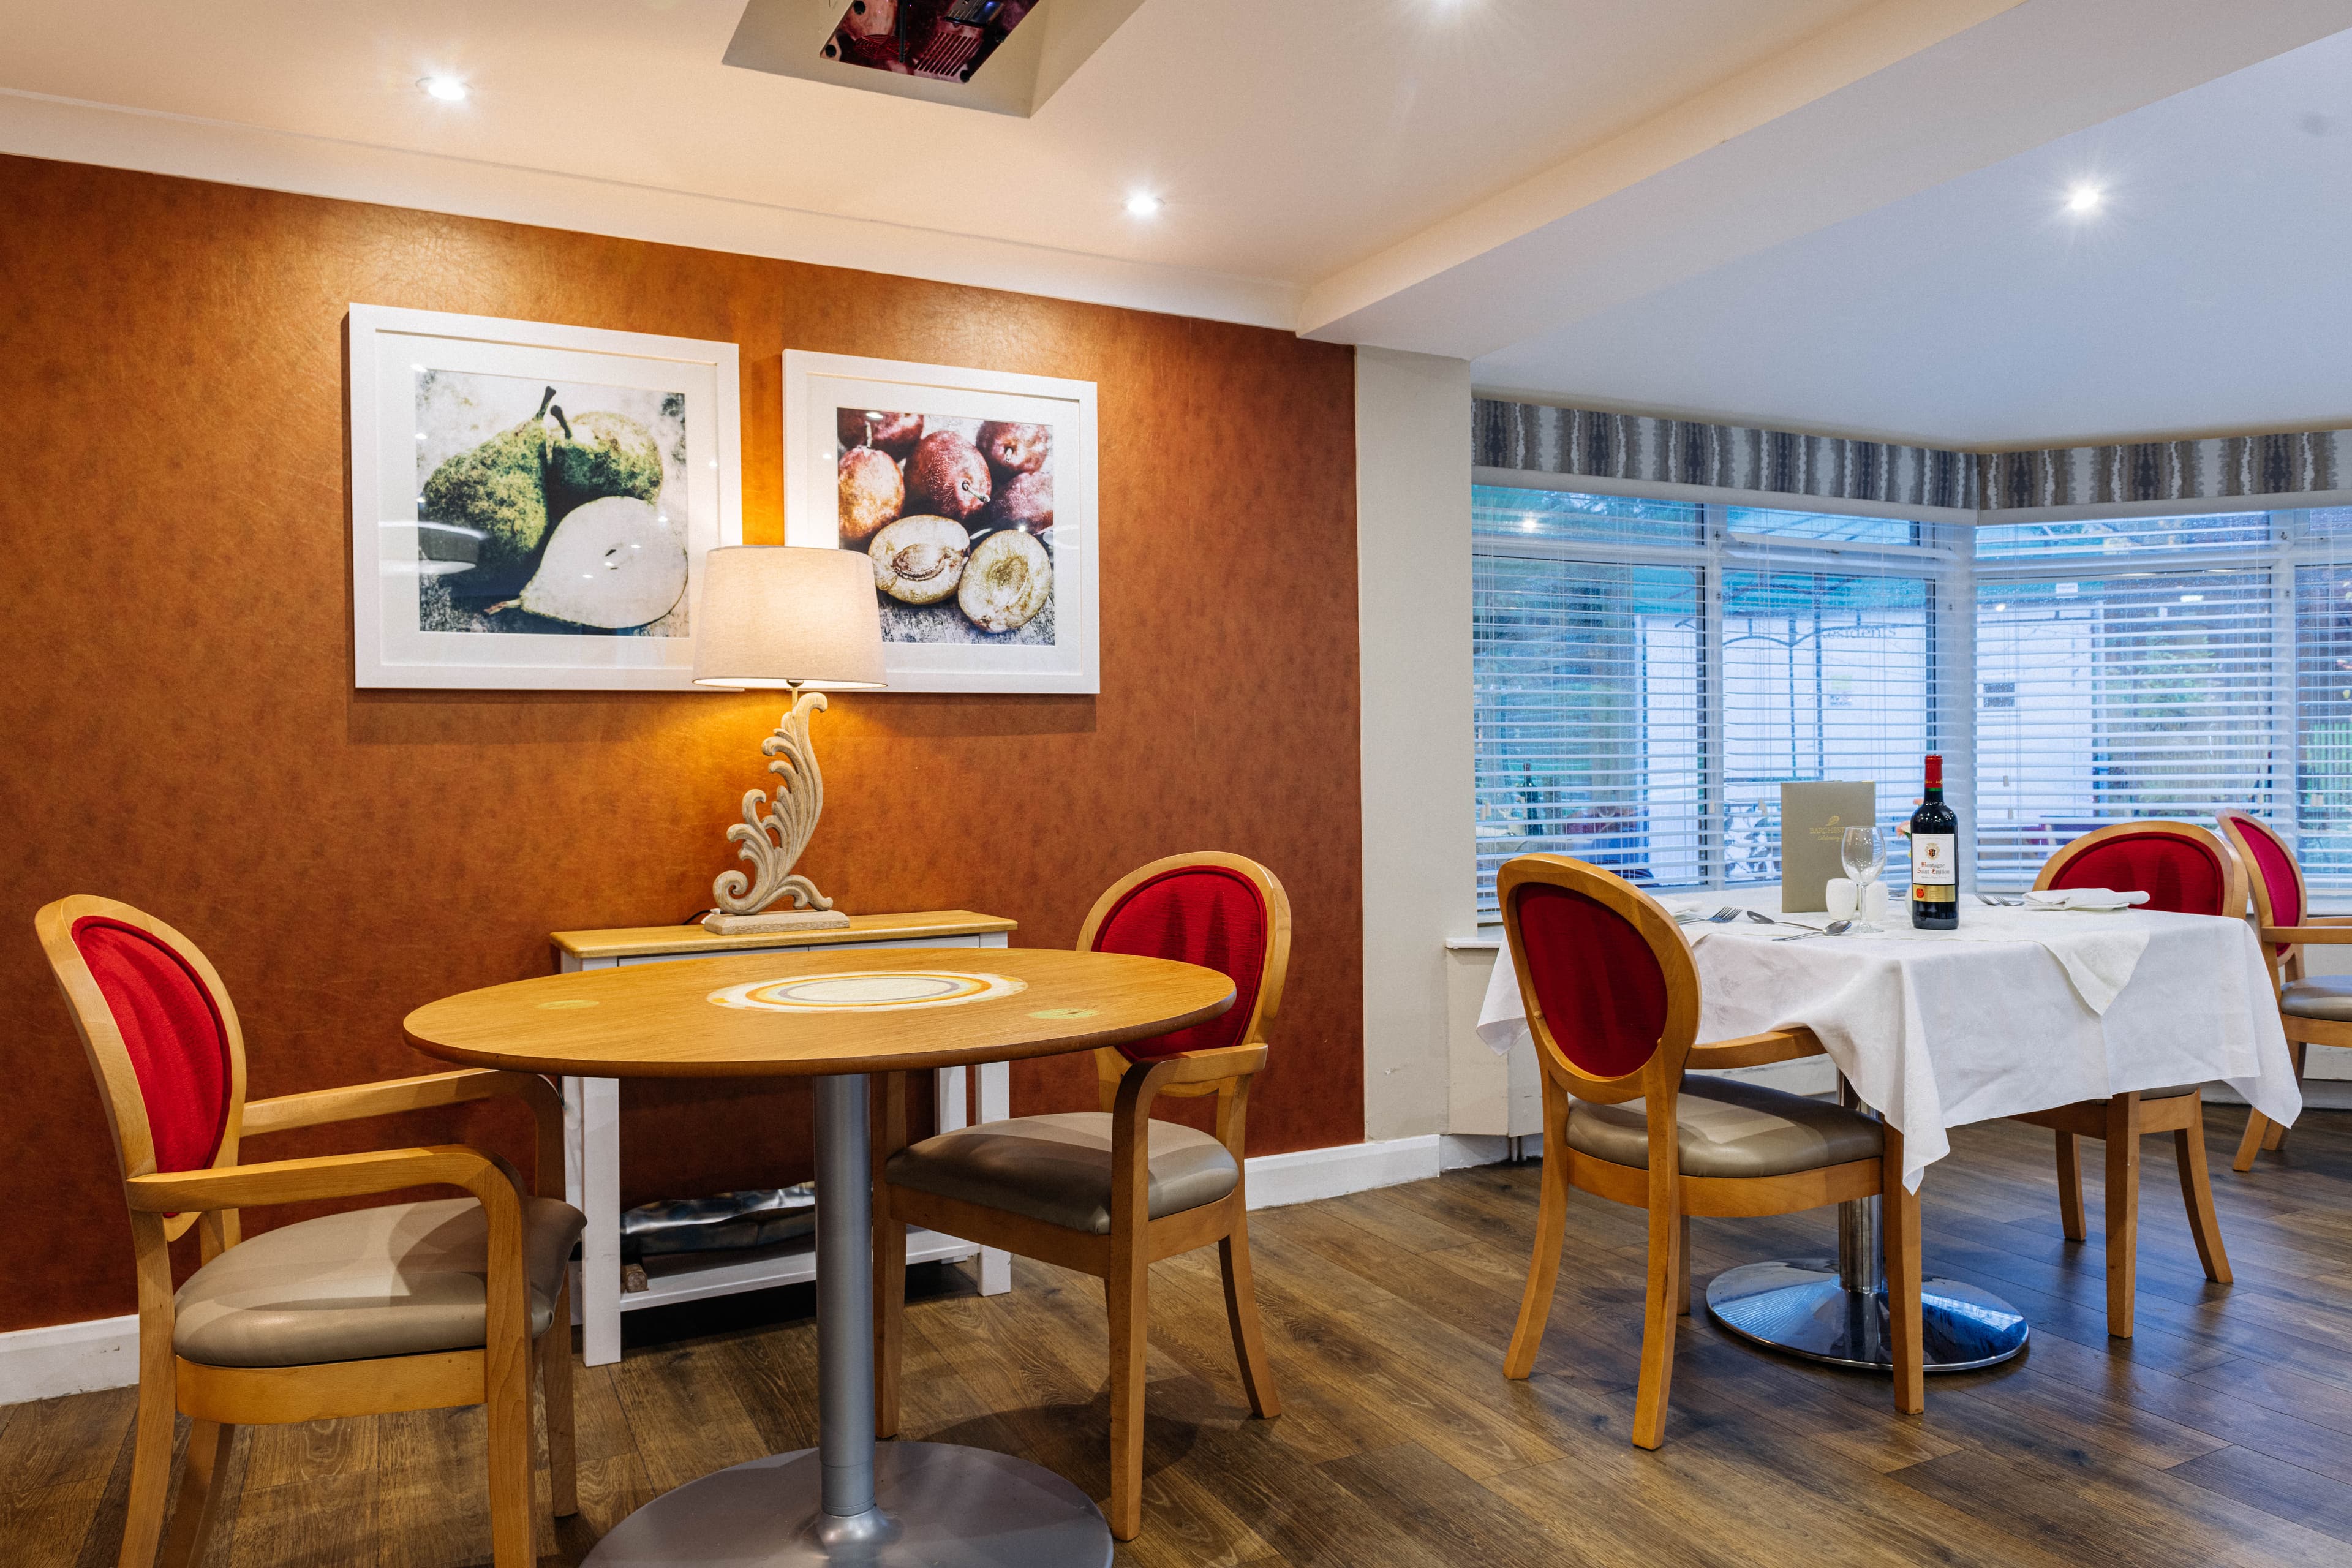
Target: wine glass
point(1864, 850)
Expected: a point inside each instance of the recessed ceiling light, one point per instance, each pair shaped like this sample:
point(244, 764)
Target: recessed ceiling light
point(447, 88)
point(1143, 203)
point(2085, 198)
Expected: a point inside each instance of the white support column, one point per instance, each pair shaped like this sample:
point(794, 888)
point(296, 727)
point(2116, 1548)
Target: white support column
point(1412, 609)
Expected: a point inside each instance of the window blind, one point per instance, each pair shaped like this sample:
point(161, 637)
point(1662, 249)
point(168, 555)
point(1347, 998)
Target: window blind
point(1649, 673)
point(1589, 706)
point(1826, 676)
point(2127, 669)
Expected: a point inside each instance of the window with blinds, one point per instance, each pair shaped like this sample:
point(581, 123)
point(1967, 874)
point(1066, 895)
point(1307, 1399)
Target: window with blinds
point(1649, 673)
point(2147, 668)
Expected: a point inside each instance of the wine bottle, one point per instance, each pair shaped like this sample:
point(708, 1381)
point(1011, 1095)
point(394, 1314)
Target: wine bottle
point(1935, 857)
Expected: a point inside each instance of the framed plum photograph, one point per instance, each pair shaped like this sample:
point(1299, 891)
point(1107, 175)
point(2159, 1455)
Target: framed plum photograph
point(972, 493)
point(530, 503)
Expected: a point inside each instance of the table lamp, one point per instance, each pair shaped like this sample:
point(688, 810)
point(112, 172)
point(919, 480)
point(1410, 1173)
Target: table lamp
point(805, 620)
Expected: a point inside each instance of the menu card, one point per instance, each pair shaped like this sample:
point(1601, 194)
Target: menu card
point(1814, 820)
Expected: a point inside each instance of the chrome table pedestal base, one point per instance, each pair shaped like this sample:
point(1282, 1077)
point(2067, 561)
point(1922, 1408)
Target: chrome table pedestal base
point(1805, 1309)
point(1835, 1310)
point(850, 1502)
point(936, 1506)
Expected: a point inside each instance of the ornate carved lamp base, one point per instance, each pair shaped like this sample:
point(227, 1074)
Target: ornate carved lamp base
point(771, 839)
point(775, 920)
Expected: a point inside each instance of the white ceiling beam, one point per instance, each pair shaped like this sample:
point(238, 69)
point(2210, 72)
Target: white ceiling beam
point(1899, 98)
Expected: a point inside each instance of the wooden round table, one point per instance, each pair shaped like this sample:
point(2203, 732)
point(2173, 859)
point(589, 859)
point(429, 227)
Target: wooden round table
point(836, 1016)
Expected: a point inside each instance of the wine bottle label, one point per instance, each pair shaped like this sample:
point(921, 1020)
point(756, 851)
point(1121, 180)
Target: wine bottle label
point(1935, 866)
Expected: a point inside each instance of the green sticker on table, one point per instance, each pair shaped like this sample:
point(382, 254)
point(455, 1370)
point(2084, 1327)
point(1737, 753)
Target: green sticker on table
point(1066, 1012)
point(565, 1005)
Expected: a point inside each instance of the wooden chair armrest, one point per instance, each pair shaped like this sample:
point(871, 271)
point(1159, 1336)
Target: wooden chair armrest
point(392, 1096)
point(325, 1176)
point(2323, 930)
point(1211, 1066)
point(1755, 1051)
point(1226, 1071)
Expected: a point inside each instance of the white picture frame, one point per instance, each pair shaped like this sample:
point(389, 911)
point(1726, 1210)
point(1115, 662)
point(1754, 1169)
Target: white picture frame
point(423, 380)
point(819, 388)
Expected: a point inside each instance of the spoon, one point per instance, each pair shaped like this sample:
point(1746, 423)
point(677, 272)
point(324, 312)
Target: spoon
point(1835, 928)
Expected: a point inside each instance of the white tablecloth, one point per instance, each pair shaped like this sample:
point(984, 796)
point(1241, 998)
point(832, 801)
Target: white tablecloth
point(1939, 1030)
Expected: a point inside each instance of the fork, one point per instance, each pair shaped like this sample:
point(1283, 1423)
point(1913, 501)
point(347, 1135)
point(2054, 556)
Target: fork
point(1728, 912)
point(1997, 903)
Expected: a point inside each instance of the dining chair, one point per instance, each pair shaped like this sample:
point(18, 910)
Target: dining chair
point(2186, 870)
point(1612, 995)
point(1110, 1193)
point(2313, 1011)
point(405, 1306)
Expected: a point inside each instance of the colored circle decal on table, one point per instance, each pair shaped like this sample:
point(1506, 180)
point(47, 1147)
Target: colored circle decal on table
point(876, 991)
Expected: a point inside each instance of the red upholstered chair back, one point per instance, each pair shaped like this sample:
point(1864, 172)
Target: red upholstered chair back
point(156, 1023)
point(2178, 865)
point(1223, 911)
point(1608, 982)
point(2279, 895)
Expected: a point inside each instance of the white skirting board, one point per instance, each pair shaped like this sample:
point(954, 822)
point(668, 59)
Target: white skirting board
point(73, 1358)
point(1311, 1174)
point(68, 1358)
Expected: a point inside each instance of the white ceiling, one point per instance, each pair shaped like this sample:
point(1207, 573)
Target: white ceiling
point(2208, 294)
point(1824, 214)
point(1288, 139)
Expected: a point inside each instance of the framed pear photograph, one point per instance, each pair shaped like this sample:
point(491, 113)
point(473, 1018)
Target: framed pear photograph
point(972, 493)
point(530, 503)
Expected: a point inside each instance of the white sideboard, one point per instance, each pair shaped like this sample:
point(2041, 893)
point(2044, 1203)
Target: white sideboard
point(592, 1127)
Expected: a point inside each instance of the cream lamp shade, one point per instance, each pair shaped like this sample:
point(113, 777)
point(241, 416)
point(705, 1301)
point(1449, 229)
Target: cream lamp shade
point(774, 615)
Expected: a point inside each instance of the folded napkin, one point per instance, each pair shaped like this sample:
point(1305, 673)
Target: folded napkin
point(2081, 898)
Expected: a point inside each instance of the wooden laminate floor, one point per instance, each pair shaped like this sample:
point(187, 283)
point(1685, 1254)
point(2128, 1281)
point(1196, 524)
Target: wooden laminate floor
point(2221, 1434)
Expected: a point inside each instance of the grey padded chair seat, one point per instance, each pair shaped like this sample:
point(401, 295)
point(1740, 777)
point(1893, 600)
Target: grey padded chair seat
point(398, 1279)
point(1730, 1129)
point(2174, 1092)
point(2329, 1000)
point(1056, 1169)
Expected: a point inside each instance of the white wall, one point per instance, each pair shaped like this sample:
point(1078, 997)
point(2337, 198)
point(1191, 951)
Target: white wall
point(1413, 590)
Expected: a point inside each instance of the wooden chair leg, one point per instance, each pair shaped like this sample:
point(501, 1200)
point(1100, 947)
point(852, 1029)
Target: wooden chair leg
point(2257, 1127)
point(1900, 1214)
point(2275, 1136)
point(1126, 1293)
point(1681, 1272)
point(554, 1353)
point(1658, 1315)
point(151, 1454)
point(889, 1313)
point(514, 1524)
point(2070, 1187)
point(2196, 1195)
point(2122, 1211)
point(1241, 1312)
point(198, 1510)
point(1552, 1232)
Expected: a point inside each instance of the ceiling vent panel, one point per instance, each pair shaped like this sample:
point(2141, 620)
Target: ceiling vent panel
point(1003, 57)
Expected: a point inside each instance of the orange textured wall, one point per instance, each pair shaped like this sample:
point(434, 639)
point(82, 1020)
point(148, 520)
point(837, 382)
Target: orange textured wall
point(182, 730)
